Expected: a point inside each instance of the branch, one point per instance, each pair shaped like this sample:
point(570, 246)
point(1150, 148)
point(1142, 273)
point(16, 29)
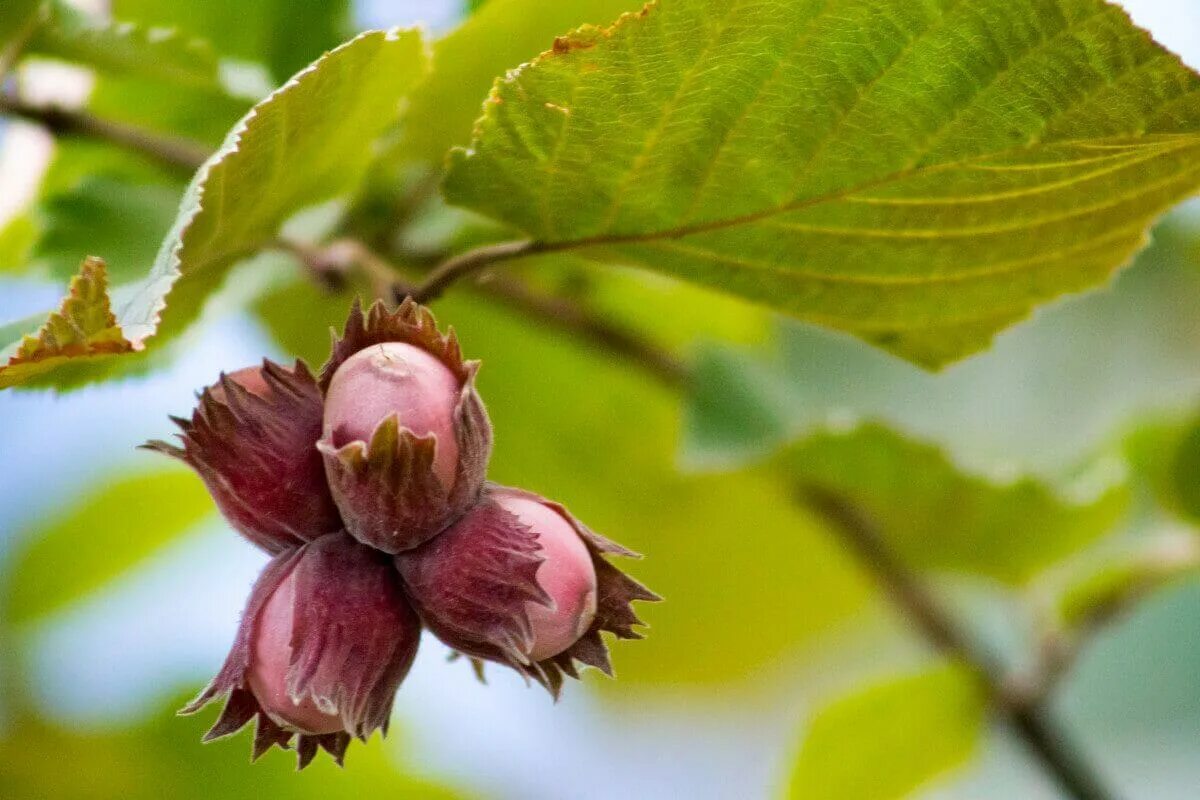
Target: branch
point(589, 327)
point(1025, 711)
point(329, 265)
point(175, 153)
point(470, 262)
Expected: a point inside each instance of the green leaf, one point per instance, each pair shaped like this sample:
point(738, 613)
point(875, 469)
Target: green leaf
point(937, 516)
point(306, 143)
point(499, 36)
point(918, 174)
point(283, 34)
point(17, 239)
point(16, 19)
point(84, 327)
point(887, 741)
point(123, 48)
point(100, 537)
point(1118, 585)
point(1185, 472)
point(122, 220)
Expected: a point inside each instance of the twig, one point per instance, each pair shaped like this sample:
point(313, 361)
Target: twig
point(329, 264)
point(589, 327)
point(470, 262)
point(176, 153)
point(1025, 711)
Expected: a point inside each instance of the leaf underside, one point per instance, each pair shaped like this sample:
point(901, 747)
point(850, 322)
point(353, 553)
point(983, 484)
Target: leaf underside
point(289, 153)
point(918, 174)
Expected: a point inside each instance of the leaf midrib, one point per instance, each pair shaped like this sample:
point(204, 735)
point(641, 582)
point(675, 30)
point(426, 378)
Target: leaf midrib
point(681, 231)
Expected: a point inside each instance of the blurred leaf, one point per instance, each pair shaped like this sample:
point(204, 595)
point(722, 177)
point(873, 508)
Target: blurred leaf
point(672, 312)
point(83, 328)
point(101, 536)
point(1019, 404)
point(95, 199)
point(15, 18)
point(778, 151)
point(1117, 585)
point(17, 238)
point(725, 551)
point(1185, 472)
point(165, 55)
point(729, 416)
point(283, 34)
point(938, 517)
point(165, 758)
point(120, 221)
point(304, 144)
point(300, 315)
point(501, 35)
point(884, 742)
point(203, 115)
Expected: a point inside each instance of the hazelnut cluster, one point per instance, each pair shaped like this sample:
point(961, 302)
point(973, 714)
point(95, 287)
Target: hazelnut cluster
point(367, 485)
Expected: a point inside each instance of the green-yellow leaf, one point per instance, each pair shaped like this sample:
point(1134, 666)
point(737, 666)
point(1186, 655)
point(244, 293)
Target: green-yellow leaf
point(119, 47)
point(500, 36)
point(920, 174)
point(283, 34)
point(937, 516)
point(83, 328)
point(309, 141)
point(101, 536)
point(887, 741)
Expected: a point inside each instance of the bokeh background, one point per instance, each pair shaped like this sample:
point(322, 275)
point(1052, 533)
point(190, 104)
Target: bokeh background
point(764, 619)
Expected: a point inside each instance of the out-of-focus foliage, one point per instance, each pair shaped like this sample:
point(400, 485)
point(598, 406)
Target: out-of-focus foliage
point(99, 538)
point(1021, 402)
point(921, 221)
point(283, 34)
point(125, 49)
point(161, 758)
point(121, 219)
point(938, 517)
point(885, 741)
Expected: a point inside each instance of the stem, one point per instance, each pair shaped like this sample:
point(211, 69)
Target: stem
point(470, 262)
point(175, 153)
point(1024, 711)
point(329, 265)
point(590, 327)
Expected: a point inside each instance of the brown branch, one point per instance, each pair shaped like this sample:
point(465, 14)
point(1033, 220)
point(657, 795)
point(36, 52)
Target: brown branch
point(468, 263)
point(1025, 711)
point(176, 153)
point(589, 327)
point(329, 264)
